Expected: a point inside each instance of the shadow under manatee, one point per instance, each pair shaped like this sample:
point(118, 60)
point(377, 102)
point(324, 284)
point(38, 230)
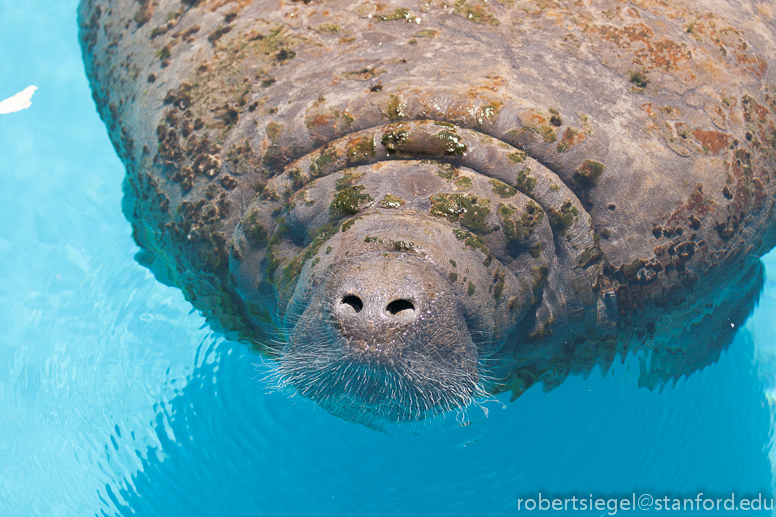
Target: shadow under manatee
point(229, 448)
point(708, 326)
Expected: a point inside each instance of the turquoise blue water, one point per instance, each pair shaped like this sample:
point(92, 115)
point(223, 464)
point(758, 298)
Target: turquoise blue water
point(117, 399)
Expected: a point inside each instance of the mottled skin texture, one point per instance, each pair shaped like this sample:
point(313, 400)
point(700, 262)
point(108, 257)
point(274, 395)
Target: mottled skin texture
point(539, 186)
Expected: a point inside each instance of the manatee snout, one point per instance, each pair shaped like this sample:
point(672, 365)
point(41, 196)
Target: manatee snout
point(391, 342)
point(379, 302)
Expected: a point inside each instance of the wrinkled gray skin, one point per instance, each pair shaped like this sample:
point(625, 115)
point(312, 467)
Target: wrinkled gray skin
point(412, 204)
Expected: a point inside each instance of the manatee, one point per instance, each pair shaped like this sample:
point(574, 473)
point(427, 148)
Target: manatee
point(409, 205)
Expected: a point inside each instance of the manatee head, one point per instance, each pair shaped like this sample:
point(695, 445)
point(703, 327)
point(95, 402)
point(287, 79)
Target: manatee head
point(395, 279)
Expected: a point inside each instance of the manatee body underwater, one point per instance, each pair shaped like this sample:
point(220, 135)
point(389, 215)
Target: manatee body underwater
point(409, 205)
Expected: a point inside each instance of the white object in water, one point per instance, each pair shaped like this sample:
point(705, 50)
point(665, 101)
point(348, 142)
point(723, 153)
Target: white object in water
point(18, 102)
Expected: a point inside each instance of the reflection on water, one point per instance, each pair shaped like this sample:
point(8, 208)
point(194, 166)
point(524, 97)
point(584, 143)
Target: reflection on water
point(115, 399)
point(246, 453)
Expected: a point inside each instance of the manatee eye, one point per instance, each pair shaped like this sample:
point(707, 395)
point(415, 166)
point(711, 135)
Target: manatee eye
point(396, 306)
point(353, 301)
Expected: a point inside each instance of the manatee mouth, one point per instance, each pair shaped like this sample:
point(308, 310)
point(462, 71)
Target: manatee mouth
point(358, 389)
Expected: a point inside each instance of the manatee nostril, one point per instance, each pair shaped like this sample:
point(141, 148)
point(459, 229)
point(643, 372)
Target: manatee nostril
point(353, 301)
point(396, 306)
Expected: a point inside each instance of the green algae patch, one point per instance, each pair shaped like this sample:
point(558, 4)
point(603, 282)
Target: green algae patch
point(474, 242)
point(328, 27)
point(394, 138)
point(280, 232)
point(426, 33)
point(470, 211)
point(588, 173)
point(404, 247)
point(638, 78)
point(395, 108)
point(525, 182)
point(297, 179)
point(320, 165)
point(446, 171)
point(449, 206)
point(517, 230)
point(571, 138)
point(361, 149)
point(547, 133)
point(498, 286)
point(273, 131)
point(517, 157)
point(506, 211)
point(463, 183)
point(452, 143)
point(539, 124)
point(563, 218)
point(444, 143)
point(474, 218)
point(401, 13)
point(346, 118)
point(349, 201)
point(254, 231)
point(501, 189)
point(390, 201)
point(540, 275)
point(475, 11)
point(350, 222)
point(489, 112)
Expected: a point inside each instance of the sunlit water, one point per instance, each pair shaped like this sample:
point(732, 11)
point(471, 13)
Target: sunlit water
point(117, 399)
